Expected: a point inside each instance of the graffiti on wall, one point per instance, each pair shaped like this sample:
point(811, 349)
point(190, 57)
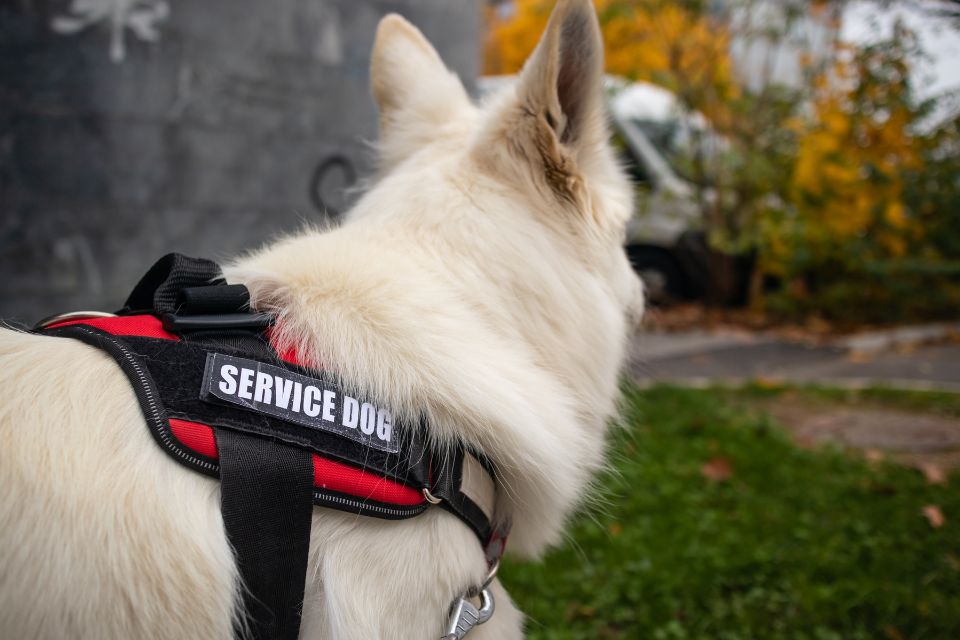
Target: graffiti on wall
point(330, 184)
point(141, 17)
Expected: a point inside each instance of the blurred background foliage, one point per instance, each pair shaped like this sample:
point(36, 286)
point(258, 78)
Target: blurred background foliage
point(843, 189)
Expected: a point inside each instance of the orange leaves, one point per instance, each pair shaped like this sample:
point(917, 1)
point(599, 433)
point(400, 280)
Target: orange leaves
point(895, 214)
point(512, 33)
point(854, 151)
point(631, 47)
point(643, 40)
point(818, 180)
point(682, 50)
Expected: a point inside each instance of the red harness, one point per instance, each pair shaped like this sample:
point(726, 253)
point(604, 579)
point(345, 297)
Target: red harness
point(194, 353)
point(200, 438)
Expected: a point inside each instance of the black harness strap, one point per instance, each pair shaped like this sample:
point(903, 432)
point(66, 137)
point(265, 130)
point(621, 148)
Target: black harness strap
point(447, 487)
point(266, 487)
point(266, 496)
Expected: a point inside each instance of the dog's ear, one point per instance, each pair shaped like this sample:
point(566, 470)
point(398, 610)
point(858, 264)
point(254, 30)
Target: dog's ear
point(413, 89)
point(562, 81)
point(557, 119)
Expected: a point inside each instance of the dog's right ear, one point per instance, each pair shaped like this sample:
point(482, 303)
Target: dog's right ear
point(414, 90)
point(555, 124)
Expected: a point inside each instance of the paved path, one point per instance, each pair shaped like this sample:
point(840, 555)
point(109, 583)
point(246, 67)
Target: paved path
point(700, 358)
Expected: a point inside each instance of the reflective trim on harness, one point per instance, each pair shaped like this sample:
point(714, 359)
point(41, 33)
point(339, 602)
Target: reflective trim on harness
point(327, 474)
point(144, 326)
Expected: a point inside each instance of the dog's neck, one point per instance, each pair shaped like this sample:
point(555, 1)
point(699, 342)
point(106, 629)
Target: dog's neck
point(403, 322)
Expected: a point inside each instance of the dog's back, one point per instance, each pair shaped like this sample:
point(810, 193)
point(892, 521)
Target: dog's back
point(102, 534)
point(480, 283)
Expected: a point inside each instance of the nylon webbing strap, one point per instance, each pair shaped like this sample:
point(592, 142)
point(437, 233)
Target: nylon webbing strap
point(266, 499)
point(449, 486)
point(160, 288)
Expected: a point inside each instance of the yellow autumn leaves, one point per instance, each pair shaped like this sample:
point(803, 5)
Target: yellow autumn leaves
point(659, 42)
point(854, 152)
point(816, 175)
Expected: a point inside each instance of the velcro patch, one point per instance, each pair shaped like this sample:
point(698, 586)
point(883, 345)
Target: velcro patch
point(290, 396)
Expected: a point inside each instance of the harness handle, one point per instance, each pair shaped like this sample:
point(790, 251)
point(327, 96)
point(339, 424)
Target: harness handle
point(160, 288)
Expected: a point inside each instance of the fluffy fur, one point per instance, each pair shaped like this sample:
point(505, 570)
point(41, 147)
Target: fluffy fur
point(480, 280)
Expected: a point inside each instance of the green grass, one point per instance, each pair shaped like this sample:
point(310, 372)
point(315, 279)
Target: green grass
point(795, 544)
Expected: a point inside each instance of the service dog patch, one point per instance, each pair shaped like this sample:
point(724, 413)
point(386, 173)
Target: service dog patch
point(297, 398)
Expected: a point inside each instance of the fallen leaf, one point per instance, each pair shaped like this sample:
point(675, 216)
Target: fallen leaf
point(805, 441)
point(798, 288)
point(892, 633)
point(717, 469)
point(934, 516)
point(587, 611)
point(575, 610)
point(933, 473)
point(818, 325)
point(881, 489)
point(768, 382)
point(859, 357)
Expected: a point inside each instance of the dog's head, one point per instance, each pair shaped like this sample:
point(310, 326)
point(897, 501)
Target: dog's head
point(541, 144)
point(525, 185)
point(523, 202)
point(481, 280)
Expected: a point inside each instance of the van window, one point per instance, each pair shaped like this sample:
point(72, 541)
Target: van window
point(634, 168)
point(690, 151)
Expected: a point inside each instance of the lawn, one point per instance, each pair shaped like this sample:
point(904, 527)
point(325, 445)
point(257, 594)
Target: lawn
point(712, 524)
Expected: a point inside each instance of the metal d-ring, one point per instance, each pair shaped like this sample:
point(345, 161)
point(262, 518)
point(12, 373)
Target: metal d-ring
point(429, 497)
point(491, 574)
point(72, 315)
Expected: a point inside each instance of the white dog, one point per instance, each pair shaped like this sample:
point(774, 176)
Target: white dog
point(480, 282)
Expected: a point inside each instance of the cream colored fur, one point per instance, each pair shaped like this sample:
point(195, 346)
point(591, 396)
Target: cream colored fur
point(480, 280)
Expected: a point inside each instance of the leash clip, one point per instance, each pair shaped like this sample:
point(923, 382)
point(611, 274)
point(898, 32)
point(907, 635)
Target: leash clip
point(465, 616)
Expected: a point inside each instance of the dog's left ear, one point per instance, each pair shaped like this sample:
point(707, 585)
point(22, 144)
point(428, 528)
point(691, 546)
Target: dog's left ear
point(414, 90)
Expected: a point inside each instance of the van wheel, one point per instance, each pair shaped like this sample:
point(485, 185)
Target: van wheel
point(663, 282)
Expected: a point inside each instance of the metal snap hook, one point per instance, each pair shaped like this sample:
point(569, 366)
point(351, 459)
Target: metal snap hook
point(465, 616)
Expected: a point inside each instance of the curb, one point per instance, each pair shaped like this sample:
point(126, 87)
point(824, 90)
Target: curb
point(887, 339)
point(853, 384)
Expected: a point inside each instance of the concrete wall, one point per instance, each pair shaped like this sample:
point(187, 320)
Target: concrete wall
point(115, 150)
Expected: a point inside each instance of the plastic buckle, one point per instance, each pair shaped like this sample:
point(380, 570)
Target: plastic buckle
point(214, 322)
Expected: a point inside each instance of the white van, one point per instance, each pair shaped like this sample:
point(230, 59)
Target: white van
point(661, 142)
